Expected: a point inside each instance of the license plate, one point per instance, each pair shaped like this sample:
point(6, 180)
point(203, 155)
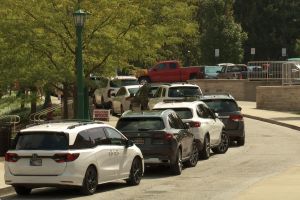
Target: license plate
point(35, 162)
point(139, 141)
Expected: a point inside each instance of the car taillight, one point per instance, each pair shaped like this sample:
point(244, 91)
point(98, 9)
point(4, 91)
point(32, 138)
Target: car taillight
point(11, 157)
point(65, 157)
point(168, 136)
point(236, 118)
point(195, 124)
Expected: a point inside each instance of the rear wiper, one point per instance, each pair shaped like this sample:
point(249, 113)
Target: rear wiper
point(144, 129)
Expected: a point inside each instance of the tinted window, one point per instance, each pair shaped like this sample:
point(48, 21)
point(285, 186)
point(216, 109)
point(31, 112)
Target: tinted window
point(152, 91)
point(175, 122)
point(115, 137)
point(161, 66)
point(183, 113)
point(204, 112)
point(158, 92)
point(83, 141)
point(173, 65)
point(183, 91)
point(138, 124)
point(123, 82)
point(42, 141)
point(222, 105)
point(97, 136)
point(121, 92)
point(133, 90)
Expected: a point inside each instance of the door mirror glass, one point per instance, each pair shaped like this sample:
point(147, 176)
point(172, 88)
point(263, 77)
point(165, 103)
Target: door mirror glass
point(129, 143)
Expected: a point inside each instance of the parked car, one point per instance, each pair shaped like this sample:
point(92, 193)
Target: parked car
point(74, 154)
point(232, 71)
point(107, 89)
point(121, 102)
point(162, 137)
point(169, 71)
point(205, 125)
point(140, 100)
point(211, 72)
point(230, 114)
point(174, 91)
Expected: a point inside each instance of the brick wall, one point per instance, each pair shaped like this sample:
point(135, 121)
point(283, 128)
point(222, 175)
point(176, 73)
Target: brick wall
point(281, 98)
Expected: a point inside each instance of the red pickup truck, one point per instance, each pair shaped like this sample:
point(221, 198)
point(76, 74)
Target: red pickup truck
point(169, 71)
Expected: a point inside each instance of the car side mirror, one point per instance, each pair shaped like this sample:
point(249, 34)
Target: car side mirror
point(187, 125)
point(129, 143)
point(240, 108)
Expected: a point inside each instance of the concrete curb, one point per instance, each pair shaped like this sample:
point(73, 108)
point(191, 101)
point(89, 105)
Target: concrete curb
point(273, 122)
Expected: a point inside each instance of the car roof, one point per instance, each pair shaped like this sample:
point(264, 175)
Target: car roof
point(216, 96)
point(177, 104)
point(179, 85)
point(147, 113)
point(132, 86)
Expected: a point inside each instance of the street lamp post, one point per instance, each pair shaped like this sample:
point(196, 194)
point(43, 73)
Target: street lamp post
point(79, 19)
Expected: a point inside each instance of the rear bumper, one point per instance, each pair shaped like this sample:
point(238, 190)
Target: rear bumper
point(236, 133)
point(158, 155)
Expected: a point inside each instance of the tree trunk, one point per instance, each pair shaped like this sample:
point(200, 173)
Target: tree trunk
point(33, 100)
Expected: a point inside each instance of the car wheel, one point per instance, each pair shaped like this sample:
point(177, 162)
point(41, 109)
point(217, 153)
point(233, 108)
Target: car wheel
point(90, 181)
point(176, 167)
point(192, 162)
point(205, 152)
point(224, 144)
point(136, 172)
point(241, 141)
point(21, 190)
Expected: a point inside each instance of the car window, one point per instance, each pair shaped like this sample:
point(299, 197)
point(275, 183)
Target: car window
point(163, 92)
point(133, 90)
point(83, 141)
point(222, 105)
point(121, 92)
point(183, 91)
point(223, 70)
point(41, 141)
point(140, 124)
point(173, 65)
point(152, 91)
point(175, 121)
point(158, 93)
point(172, 121)
point(115, 137)
point(183, 113)
point(98, 137)
point(179, 122)
point(161, 66)
point(204, 112)
point(123, 82)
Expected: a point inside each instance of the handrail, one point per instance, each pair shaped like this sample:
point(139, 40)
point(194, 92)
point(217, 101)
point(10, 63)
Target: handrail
point(13, 119)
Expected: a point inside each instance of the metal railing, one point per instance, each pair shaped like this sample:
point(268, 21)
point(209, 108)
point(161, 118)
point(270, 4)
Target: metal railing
point(11, 120)
point(291, 73)
point(41, 115)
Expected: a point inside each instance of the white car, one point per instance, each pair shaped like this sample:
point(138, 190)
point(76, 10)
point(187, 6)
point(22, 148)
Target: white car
point(174, 91)
point(122, 100)
point(76, 154)
point(107, 89)
point(204, 124)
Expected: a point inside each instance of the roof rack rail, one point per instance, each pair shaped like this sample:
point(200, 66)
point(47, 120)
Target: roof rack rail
point(217, 93)
point(80, 122)
point(183, 99)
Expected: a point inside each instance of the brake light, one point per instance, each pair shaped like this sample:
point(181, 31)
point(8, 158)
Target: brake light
point(11, 157)
point(195, 124)
point(168, 136)
point(236, 118)
point(65, 157)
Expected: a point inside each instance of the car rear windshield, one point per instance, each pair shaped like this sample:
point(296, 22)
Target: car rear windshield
point(140, 124)
point(184, 113)
point(41, 141)
point(123, 82)
point(222, 105)
point(183, 91)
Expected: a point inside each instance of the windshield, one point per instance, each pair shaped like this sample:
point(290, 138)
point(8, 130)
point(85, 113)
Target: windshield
point(184, 91)
point(138, 124)
point(123, 82)
point(222, 105)
point(41, 141)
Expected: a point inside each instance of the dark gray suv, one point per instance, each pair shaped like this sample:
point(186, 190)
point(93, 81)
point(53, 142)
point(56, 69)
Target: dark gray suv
point(230, 114)
point(162, 137)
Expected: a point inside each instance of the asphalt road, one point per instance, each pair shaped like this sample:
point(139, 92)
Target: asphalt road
point(269, 150)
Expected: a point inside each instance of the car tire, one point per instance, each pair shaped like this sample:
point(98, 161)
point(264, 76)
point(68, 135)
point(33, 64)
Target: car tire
point(176, 167)
point(136, 172)
point(205, 152)
point(193, 160)
point(224, 144)
point(90, 181)
point(241, 141)
point(21, 190)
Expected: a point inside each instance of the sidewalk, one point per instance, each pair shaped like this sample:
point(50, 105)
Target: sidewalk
point(265, 187)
